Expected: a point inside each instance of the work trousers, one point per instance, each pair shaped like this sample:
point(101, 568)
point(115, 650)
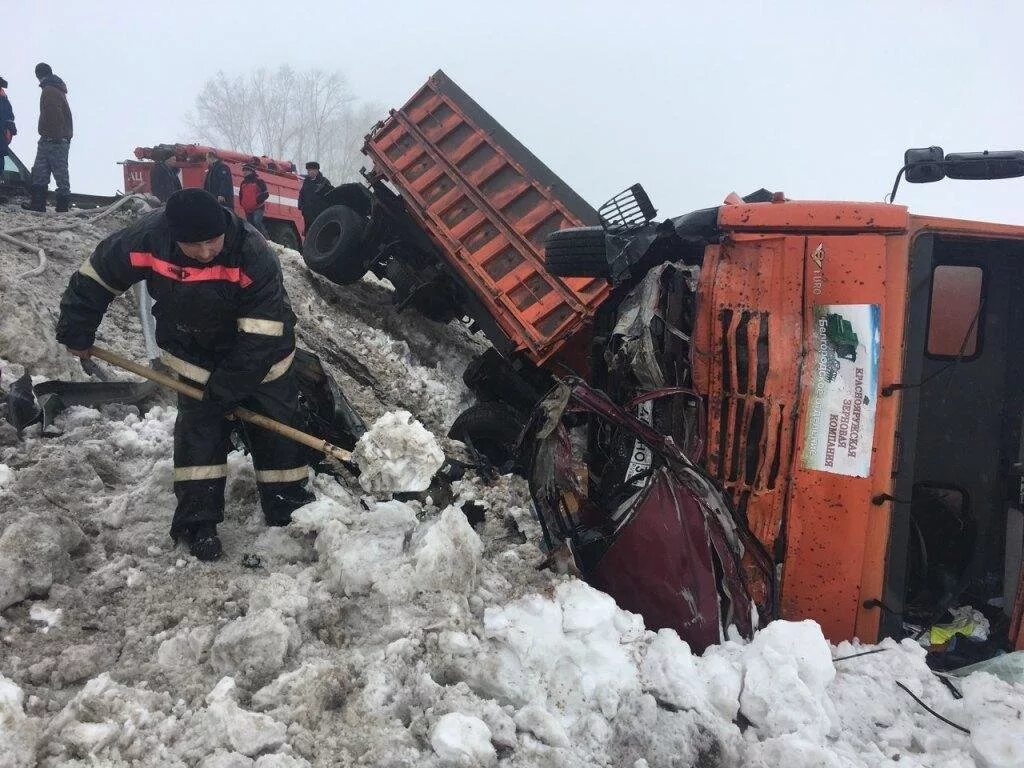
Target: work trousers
point(202, 440)
point(52, 158)
point(256, 219)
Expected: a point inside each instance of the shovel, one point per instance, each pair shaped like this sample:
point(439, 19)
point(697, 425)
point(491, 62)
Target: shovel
point(241, 413)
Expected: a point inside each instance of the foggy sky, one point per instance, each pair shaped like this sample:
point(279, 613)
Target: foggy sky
point(813, 99)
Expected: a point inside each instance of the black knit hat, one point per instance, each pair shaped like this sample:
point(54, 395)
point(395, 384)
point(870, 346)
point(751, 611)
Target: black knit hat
point(3, 83)
point(194, 215)
point(43, 69)
point(312, 164)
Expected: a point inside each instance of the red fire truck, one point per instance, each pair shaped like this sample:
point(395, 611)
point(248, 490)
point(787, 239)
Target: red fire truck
point(283, 219)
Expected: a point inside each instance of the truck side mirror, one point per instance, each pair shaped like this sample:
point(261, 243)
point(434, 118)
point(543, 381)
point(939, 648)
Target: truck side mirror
point(924, 165)
point(984, 165)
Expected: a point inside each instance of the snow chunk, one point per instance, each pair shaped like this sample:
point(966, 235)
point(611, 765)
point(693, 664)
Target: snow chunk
point(314, 516)
point(280, 592)
point(6, 475)
point(35, 553)
point(449, 556)
point(281, 761)
point(252, 648)
point(669, 672)
point(49, 617)
point(788, 668)
point(542, 724)
point(574, 649)
point(397, 454)
point(80, 662)
point(186, 648)
point(463, 740)
point(222, 759)
point(18, 733)
point(247, 732)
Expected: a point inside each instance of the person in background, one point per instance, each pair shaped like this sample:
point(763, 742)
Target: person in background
point(55, 132)
point(7, 127)
point(217, 181)
point(252, 196)
point(312, 196)
point(163, 176)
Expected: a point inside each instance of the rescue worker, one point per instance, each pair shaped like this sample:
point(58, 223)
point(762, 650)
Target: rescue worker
point(252, 197)
point(225, 323)
point(217, 181)
point(312, 195)
point(163, 176)
point(55, 132)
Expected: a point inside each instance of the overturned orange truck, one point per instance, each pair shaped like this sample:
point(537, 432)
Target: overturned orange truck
point(848, 376)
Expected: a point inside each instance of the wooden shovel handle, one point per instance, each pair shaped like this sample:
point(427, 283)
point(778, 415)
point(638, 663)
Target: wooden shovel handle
point(242, 413)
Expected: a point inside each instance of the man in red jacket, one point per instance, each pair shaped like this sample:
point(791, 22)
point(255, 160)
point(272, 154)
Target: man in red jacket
point(252, 196)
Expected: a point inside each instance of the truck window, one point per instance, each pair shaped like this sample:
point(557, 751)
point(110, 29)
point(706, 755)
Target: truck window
point(955, 314)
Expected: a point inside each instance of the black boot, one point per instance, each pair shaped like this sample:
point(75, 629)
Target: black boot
point(279, 504)
point(63, 201)
point(37, 199)
point(203, 542)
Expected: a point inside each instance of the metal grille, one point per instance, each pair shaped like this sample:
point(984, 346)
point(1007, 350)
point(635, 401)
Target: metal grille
point(627, 211)
point(749, 439)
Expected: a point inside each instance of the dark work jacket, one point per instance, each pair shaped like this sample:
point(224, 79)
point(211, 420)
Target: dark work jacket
point(55, 121)
point(231, 316)
point(7, 127)
point(311, 196)
point(163, 181)
point(218, 183)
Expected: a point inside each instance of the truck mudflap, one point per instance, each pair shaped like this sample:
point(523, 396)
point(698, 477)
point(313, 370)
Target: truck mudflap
point(664, 542)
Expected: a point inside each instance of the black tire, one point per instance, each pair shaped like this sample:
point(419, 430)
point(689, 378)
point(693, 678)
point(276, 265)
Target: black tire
point(492, 430)
point(283, 233)
point(576, 252)
point(334, 245)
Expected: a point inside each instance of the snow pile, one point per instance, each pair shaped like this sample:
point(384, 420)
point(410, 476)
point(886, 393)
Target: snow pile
point(397, 454)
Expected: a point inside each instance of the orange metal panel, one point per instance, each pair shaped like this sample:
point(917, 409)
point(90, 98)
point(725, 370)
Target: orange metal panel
point(836, 537)
point(747, 360)
point(813, 216)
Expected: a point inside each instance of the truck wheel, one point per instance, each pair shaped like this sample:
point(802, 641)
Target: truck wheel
point(576, 252)
point(333, 245)
point(283, 233)
point(491, 429)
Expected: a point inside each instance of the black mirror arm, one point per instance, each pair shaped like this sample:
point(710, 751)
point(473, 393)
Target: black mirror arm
point(896, 184)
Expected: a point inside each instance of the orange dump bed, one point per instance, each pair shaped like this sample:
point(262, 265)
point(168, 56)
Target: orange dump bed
point(487, 203)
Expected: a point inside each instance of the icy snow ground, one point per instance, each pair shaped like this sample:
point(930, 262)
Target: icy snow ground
point(382, 633)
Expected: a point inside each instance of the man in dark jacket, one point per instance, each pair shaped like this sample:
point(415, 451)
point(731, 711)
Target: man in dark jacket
point(312, 196)
point(163, 177)
point(224, 322)
point(7, 128)
point(252, 197)
point(217, 181)
point(55, 132)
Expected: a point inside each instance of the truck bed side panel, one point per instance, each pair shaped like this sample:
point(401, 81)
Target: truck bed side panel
point(488, 204)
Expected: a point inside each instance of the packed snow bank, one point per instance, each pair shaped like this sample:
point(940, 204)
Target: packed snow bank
point(397, 454)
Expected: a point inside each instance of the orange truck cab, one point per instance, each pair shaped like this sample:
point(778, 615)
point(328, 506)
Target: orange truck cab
point(862, 370)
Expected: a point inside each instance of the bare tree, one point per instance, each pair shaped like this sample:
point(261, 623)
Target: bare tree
point(283, 113)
